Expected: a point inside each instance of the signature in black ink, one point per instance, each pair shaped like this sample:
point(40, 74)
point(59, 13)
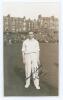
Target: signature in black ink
point(37, 69)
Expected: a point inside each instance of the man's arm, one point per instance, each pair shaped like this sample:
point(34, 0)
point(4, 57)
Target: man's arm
point(38, 53)
point(38, 58)
point(23, 52)
point(23, 56)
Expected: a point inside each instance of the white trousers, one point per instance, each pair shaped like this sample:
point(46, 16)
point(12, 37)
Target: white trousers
point(31, 67)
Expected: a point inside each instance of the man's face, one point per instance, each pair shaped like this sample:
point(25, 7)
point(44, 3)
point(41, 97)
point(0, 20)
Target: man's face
point(31, 35)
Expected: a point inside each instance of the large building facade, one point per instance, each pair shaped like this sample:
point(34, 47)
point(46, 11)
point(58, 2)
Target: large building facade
point(45, 26)
point(16, 24)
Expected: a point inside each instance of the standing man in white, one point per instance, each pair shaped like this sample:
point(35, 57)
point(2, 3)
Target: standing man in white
point(30, 53)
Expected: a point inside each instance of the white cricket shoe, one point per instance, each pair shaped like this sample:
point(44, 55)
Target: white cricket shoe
point(37, 87)
point(27, 85)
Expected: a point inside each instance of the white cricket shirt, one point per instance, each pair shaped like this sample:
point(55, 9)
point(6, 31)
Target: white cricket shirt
point(30, 46)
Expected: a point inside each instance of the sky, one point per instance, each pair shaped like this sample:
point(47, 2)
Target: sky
point(31, 9)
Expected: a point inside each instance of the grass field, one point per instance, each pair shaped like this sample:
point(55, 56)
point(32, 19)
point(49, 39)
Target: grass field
point(14, 75)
